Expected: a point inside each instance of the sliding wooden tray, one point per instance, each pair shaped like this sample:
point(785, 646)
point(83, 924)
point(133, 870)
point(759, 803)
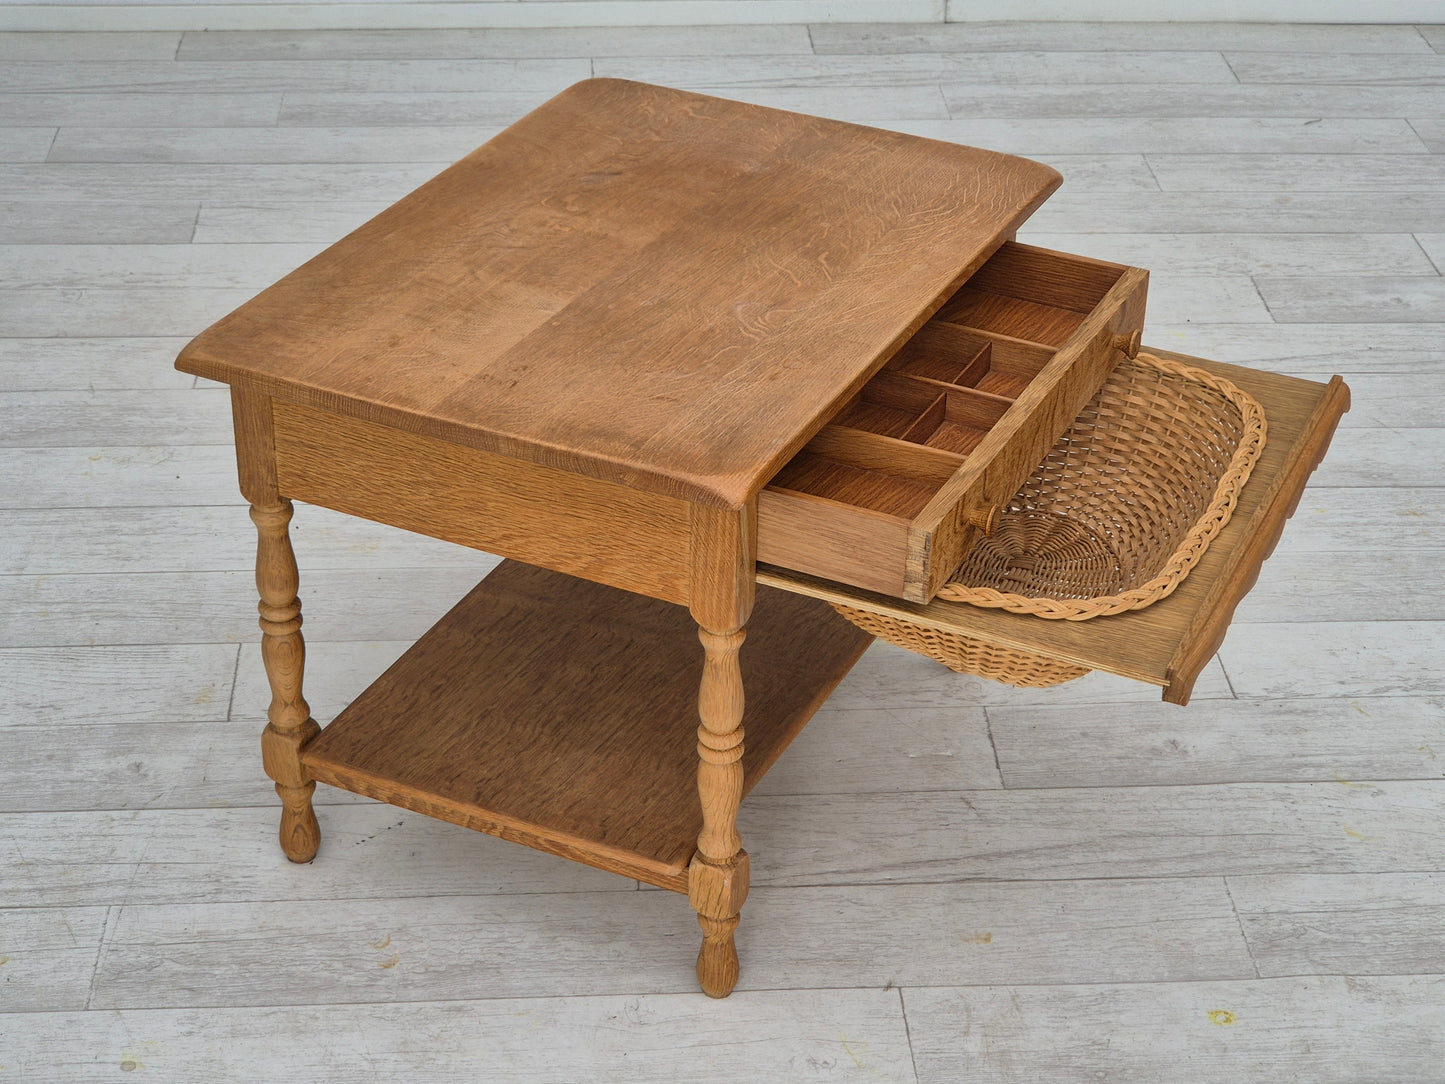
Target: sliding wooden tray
point(891, 494)
point(1168, 643)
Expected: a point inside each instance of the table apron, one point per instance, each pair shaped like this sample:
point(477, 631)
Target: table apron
point(570, 523)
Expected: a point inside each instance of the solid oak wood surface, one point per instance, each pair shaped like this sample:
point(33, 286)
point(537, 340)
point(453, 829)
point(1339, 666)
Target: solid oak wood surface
point(586, 527)
point(1168, 643)
point(559, 713)
point(649, 286)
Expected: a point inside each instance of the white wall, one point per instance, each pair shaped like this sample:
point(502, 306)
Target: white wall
point(362, 14)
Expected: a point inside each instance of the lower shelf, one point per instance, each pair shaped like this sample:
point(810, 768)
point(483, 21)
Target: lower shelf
point(562, 714)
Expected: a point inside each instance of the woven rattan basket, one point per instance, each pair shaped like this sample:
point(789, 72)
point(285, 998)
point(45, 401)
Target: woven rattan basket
point(1124, 505)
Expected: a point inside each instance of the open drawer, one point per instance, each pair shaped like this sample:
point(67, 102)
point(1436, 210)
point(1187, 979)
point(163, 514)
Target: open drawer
point(892, 492)
point(1168, 643)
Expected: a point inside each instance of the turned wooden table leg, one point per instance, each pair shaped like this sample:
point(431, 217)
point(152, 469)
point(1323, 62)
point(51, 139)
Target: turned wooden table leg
point(722, 585)
point(284, 654)
point(717, 880)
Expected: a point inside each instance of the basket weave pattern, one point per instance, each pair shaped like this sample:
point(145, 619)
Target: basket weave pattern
point(1124, 505)
point(965, 654)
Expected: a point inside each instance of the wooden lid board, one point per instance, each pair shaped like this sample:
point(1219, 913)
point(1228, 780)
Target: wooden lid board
point(655, 287)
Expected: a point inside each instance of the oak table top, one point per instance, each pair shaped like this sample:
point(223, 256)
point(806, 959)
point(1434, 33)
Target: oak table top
point(642, 285)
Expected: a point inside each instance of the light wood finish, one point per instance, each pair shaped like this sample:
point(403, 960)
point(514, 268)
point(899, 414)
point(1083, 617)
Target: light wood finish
point(723, 590)
point(1030, 337)
point(549, 352)
point(1169, 643)
point(556, 715)
point(583, 526)
point(283, 649)
point(290, 726)
point(516, 302)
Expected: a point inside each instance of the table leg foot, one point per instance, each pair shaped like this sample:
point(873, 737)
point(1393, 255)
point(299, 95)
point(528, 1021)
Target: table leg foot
point(300, 833)
point(716, 893)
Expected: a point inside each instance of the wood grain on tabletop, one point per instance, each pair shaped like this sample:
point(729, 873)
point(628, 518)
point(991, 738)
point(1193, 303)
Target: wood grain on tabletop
point(571, 358)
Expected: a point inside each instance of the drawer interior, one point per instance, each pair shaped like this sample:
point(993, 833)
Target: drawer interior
point(915, 436)
point(951, 383)
point(1031, 295)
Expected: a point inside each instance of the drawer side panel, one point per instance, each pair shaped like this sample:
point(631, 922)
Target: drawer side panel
point(820, 536)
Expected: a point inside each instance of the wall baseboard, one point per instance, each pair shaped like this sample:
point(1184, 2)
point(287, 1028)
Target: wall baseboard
point(1203, 11)
point(451, 14)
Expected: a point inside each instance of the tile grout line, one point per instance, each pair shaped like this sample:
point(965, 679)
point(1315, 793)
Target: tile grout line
point(1416, 132)
point(1224, 57)
point(1148, 165)
point(907, 1032)
point(1254, 284)
point(1426, 254)
point(1240, 923)
point(235, 680)
point(1227, 679)
point(993, 745)
point(107, 931)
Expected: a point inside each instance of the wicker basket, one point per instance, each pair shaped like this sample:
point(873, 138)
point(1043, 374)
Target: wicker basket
point(1124, 505)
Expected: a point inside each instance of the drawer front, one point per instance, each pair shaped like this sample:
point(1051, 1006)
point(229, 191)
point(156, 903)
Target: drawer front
point(892, 493)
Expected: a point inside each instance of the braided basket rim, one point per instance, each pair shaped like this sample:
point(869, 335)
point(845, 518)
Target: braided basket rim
point(1190, 549)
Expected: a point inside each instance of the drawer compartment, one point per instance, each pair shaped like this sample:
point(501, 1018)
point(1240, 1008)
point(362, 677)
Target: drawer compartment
point(890, 495)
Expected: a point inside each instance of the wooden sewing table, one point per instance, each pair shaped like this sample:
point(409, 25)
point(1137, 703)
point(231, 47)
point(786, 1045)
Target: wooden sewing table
point(589, 347)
